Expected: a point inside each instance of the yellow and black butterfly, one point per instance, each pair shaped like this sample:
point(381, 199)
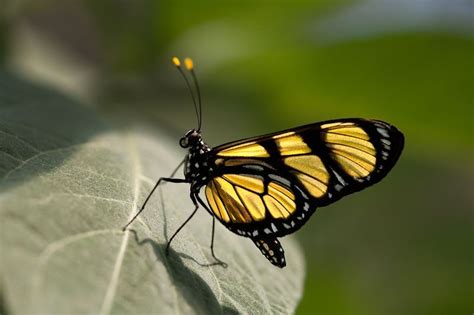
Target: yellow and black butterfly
point(268, 186)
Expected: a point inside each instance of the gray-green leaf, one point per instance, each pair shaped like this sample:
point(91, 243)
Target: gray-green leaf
point(67, 185)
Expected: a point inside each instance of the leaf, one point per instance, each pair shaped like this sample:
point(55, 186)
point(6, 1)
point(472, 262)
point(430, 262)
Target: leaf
point(38, 129)
point(69, 183)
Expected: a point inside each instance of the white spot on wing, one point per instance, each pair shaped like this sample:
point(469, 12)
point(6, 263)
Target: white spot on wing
point(383, 132)
point(339, 178)
point(274, 228)
point(386, 142)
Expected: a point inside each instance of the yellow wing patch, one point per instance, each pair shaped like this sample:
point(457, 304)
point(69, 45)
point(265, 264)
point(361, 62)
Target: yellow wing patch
point(231, 201)
point(351, 147)
point(291, 144)
point(276, 209)
point(310, 165)
point(253, 202)
point(311, 173)
point(216, 202)
point(315, 187)
point(251, 183)
point(336, 124)
point(249, 149)
point(242, 199)
point(283, 196)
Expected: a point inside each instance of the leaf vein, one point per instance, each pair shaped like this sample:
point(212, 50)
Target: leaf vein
point(32, 147)
point(22, 164)
point(112, 288)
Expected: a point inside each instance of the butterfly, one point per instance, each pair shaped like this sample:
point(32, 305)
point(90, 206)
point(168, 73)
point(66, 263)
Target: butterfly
point(266, 187)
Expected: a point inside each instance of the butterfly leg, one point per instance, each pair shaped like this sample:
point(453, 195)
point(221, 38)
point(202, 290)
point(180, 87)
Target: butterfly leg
point(161, 180)
point(220, 262)
point(272, 250)
point(196, 207)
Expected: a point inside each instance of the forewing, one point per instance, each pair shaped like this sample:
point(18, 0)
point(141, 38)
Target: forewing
point(272, 184)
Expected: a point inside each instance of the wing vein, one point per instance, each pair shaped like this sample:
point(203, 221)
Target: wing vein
point(351, 158)
point(368, 151)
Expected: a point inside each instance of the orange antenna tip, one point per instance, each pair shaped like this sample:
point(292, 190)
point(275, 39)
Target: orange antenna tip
point(176, 61)
point(189, 64)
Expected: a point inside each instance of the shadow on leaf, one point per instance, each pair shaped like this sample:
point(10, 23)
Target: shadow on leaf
point(191, 286)
point(39, 129)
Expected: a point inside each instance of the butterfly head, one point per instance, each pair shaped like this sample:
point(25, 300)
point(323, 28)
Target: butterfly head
point(190, 139)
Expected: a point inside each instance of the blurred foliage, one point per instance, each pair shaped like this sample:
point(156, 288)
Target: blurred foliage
point(409, 79)
point(402, 247)
point(150, 27)
point(3, 39)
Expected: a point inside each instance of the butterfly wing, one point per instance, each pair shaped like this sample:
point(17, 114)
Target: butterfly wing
point(257, 200)
point(308, 166)
point(266, 187)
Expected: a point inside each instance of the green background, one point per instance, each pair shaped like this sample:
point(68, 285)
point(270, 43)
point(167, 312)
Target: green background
point(404, 246)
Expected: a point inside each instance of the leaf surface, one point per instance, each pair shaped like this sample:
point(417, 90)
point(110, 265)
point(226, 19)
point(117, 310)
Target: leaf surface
point(68, 183)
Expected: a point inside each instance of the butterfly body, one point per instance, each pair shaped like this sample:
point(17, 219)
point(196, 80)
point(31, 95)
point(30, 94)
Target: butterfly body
point(198, 167)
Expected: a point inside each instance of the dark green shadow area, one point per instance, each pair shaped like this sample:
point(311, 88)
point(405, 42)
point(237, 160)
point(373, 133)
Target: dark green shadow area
point(3, 41)
point(39, 128)
point(190, 285)
point(3, 306)
point(403, 246)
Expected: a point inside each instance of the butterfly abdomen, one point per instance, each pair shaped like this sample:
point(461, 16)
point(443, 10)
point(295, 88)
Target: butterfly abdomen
point(272, 250)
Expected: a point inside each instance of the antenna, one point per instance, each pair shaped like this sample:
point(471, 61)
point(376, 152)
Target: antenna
point(177, 64)
point(190, 66)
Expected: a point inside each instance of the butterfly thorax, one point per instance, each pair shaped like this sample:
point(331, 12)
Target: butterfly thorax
point(197, 166)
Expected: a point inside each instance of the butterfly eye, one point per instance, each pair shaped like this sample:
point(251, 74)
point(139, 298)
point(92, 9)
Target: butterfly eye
point(183, 142)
